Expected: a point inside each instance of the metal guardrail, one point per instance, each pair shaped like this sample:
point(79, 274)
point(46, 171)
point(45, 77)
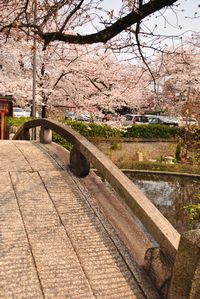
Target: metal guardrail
point(84, 153)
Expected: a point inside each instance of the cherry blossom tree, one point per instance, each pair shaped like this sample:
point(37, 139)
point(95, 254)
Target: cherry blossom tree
point(72, 76)
point(124, 27)
point(16, 70)
point(101, 82)
point(63, 25)
point(61, 20)
point(178, 79)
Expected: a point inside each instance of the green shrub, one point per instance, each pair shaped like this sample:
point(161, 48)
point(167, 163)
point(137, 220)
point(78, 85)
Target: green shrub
point(105, 131)
point(62, 141)
point(78, 126)
point(94, 130)
point(16, 121)
point(151, 131)
point(136, 131)
point(194, 210)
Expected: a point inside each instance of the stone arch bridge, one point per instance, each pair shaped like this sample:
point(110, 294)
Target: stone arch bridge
point(68, 233)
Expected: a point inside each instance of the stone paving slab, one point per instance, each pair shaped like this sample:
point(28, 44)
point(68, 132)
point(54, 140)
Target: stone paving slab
point(37, 159)
point(57, 264)
point(18, 275)
point(53, 245)
point(11, 158)
point(107, 272)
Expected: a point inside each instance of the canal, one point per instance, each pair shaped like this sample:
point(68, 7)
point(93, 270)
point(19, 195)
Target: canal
point(170, 194)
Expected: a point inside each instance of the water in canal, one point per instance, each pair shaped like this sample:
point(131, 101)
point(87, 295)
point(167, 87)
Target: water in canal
point(170, 194)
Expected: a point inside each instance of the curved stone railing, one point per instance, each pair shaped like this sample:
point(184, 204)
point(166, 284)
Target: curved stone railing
point(84, 153)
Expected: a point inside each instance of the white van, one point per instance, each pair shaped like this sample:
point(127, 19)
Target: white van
point(19, 112)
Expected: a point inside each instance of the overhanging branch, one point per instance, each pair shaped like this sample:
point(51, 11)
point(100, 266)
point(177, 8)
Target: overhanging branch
point(111, 31)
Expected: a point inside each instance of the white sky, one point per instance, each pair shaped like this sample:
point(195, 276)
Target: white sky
point(185, 19)
point(182, 22)
point(189, 8)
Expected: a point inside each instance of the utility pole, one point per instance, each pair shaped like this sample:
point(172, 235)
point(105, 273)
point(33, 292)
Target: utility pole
point(34, 68)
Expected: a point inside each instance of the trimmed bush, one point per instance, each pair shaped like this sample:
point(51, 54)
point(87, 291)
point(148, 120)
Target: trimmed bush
point(151, 131)
point(94, 130)
point(105, 131)
point(62, 141)
point(16, 121)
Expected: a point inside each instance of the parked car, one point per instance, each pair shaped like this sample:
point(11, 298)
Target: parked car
point(19, 112)
point(131, 119)
point(151, 116)
point(69, 115)
point(187, 121)
point(26, 112)
point(163, 120)
point(82, 117)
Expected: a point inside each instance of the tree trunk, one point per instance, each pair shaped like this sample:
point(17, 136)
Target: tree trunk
point(44, 111)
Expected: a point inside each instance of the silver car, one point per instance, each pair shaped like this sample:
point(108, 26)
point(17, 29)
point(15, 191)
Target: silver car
point(135, 119)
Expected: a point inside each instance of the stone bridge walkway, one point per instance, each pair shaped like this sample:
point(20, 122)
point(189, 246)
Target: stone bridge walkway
point(52, 242)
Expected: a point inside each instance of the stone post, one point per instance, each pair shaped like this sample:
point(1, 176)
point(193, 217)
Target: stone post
point(26, 134)
point(185, 282)
point(78, 163)
point(45, 135)
point(140, 156)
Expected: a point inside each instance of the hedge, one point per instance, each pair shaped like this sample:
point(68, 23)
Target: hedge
point(87, 130)
point(62, 141)
point(96, 130)
point(151, 131)
point(16, 121)
point(135, 131)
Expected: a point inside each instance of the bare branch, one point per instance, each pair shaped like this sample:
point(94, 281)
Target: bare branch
point(111, 31)
point(94, 84)
point(76, 8)
point(142, 56)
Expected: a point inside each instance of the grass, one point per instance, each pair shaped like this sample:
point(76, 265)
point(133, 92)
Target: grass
point(158, 166)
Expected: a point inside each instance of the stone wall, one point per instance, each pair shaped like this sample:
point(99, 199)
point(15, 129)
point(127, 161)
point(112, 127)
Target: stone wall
point(133, 150)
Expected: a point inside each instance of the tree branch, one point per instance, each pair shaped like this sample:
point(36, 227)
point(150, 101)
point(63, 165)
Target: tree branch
point(94, 84)
point(59, 78)
point(142, 56)
point(111, 31)
point(76, 8)
point(52, 10)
